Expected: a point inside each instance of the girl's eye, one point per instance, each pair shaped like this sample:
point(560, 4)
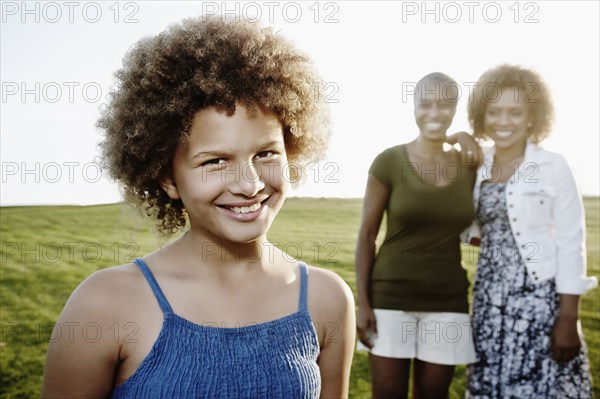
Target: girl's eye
point(265, 154)
point(213, 162)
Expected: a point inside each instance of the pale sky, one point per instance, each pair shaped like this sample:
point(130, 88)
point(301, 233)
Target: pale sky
point(57, 61)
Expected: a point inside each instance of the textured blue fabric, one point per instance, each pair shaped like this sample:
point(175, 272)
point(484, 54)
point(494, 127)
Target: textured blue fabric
point(276, 359)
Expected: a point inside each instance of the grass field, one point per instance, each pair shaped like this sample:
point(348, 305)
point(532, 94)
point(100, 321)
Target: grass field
point(46, 251)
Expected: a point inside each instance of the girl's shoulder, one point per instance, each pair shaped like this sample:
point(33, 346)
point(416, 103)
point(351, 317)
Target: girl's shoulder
point(116, 279)
point(331, 305)
point(326, 281)
point(108, 293)
point(328, 293)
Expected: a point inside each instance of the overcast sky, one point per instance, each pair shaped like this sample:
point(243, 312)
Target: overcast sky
point(57, 61)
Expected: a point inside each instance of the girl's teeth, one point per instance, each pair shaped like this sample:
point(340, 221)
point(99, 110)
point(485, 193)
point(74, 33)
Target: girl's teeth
point(503, 133)
point(433, 126)
point(245, 209)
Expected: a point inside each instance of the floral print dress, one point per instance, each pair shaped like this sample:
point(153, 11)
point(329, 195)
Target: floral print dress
point(513, 320)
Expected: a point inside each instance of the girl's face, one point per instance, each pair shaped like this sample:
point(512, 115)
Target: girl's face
point(230, 173)
point(434, 111)
point(506, 120)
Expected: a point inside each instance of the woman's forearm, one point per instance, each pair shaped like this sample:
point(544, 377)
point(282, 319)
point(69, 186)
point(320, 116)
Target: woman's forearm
point(569, 306)
point(365, 254)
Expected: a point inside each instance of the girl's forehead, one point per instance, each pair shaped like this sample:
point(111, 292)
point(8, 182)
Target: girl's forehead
point(215, 127)
point(506, 97)
point(241, 113)
point(436, 91)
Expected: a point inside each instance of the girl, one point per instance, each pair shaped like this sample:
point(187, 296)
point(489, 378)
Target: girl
point(531, 269)
point(209, 116)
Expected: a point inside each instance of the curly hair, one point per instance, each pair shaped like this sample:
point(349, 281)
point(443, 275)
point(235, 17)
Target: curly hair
point(534, 92)
point(194, 64)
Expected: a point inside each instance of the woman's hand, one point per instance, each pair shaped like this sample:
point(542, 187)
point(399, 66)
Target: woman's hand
point(471, 153)
point(564, 341)
point(366, 325)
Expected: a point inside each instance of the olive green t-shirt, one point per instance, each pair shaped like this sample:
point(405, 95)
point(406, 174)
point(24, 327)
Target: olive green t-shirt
point(418, 266)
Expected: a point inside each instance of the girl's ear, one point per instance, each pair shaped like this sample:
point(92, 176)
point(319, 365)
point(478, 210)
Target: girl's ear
point(168, 184)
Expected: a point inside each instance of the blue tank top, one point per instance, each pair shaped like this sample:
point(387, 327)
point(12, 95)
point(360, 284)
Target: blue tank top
point(276, 359)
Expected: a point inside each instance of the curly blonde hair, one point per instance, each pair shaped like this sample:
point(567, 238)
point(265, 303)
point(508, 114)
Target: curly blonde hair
point(194, 64)
point(535, 94)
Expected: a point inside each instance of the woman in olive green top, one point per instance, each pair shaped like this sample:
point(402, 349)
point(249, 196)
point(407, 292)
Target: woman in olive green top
point(412, 295)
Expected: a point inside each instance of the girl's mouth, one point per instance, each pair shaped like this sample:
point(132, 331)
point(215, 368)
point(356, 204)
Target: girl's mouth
point(245, 209)
point(503, 133)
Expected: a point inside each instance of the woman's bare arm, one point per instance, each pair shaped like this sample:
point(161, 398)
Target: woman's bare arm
point(374, 204)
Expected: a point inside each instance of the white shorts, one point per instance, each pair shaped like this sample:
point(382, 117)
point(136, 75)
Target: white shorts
point(441, 338)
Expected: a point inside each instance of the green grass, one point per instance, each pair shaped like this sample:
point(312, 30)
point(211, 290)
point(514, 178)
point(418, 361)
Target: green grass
point(46, 252)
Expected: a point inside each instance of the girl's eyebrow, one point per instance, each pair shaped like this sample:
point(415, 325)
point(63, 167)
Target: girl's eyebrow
point(500, 107)
point(269, 144)
point(212, 153)
point(219, 152)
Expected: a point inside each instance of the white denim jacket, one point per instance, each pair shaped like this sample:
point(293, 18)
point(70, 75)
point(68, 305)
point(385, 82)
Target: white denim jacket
point(546, 217)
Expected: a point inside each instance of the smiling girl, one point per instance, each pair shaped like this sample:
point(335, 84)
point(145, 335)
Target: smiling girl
point(209, 116)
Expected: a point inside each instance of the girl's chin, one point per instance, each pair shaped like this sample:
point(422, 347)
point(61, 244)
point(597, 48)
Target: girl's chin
point(435, 136)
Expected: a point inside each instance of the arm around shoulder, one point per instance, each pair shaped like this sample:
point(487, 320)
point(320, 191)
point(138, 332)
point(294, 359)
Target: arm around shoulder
point(82, 354)
point(334, 320)
point(471, 153)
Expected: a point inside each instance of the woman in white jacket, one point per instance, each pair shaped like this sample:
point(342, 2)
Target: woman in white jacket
point(531, 269)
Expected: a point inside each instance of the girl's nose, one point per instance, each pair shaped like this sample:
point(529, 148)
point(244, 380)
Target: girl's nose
point(248, 182)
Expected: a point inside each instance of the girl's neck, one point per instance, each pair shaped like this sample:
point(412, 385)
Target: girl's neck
point(427, 148)
point(219, 254)
point(509, 154)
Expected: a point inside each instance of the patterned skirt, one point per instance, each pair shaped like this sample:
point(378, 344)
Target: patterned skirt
point(513, 320)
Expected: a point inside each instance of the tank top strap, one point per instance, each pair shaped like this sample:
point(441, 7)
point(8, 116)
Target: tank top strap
point(160, 297)
point(303, 303)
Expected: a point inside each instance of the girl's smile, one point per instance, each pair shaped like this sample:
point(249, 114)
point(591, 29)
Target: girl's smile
point(506, 120)
point(244, 212)
point(230, 173)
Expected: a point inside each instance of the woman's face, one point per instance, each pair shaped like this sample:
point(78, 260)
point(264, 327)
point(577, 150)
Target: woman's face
point(435, 106)
point(230, 173)
point(506, 120)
